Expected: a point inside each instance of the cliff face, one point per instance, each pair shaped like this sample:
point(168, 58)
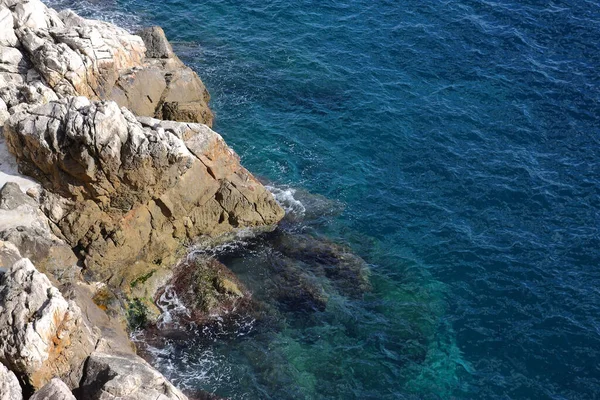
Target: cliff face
point(126, 192)
point(115, 189)
point(121, 188)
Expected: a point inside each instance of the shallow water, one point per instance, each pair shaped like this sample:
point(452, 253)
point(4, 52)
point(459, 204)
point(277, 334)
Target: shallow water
point(460, 144)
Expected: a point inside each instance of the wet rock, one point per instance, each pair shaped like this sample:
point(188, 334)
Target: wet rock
point(304, 208)
point(205, 288)
point(42, 335)
point(135, 189)
point(201, 395)
point(53, 390)
point(9, 385)
point(124, 376)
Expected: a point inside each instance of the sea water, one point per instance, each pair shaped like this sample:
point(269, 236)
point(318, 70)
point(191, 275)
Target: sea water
point(456, 147)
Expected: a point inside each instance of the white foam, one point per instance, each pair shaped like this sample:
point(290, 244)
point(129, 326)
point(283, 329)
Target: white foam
point(171, 308)
point(285, 198)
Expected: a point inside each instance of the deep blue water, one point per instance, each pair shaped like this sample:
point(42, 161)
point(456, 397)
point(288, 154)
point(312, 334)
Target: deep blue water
point(462, 139)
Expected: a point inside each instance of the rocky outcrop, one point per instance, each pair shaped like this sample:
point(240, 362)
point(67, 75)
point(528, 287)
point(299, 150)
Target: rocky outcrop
point(42, 335)
point(124, 376)
point(131, 191)
point(53, 390)
point(45, 54)
point(9, 385)
point(104, 199)
point(163, 86)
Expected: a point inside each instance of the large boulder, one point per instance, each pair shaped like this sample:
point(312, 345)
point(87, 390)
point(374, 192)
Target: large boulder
point(133, 190)
point(42, 335)
point(124, 376)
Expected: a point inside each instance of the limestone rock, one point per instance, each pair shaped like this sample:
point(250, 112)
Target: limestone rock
point(157, 45)
point(136, 189)
point(70, 56)
point(53, 390)
point(11, 197)
point(124, 376)
point(26, 227)
point(112, 329)
point(34, 14)
point(163, 86)
point(9, 254)
point(7, 33)
point(9, 385)
point(42, 335)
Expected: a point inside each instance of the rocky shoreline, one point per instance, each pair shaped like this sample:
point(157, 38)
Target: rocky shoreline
point(108, 170)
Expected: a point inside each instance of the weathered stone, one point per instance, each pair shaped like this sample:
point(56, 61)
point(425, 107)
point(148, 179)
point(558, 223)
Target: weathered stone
point(112, 329)
point(9, 254)
point(186, 98)
point(124, 376)
point(51, 254)
point(137, 188)
point(7, 33)
point(84, 57)
point(53, 390)
point(12, 197)
point(42, 335)
point(157, 45)
point(9, 385)
point(76, 56)
point(35, 15)
point(26, 227)
point(189, 112)
point(140, 90)
point(12, 61)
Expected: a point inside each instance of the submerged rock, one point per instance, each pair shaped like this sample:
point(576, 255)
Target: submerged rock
point(348, 272)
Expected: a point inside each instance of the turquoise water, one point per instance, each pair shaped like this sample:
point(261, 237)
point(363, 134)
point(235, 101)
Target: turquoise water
point(458, 143)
